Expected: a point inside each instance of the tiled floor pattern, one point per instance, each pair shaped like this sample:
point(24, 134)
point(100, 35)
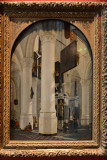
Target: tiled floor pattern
point(82, 134)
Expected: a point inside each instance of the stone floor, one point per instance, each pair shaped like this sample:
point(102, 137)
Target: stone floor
point(81, 134)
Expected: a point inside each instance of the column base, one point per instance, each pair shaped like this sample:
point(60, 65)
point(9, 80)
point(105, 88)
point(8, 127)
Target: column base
point(25, 120)
point(84, 120)
point(48, 123)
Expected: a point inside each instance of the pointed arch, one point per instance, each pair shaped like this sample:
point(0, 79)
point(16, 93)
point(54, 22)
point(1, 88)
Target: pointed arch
point(31, 28)
point(30, 44)
point(16, 60)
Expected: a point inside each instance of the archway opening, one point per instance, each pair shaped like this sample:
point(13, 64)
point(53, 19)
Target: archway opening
point(49, 64)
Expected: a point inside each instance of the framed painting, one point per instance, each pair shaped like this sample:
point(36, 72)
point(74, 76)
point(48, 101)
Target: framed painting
point(53, 79)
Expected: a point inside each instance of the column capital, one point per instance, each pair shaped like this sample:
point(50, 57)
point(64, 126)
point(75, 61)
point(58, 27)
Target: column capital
point(27, 62)
point(34, 80)
point(47, 36)
point(84, 81)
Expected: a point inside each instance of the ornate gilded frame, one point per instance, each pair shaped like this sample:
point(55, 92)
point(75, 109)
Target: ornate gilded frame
point(91, 19)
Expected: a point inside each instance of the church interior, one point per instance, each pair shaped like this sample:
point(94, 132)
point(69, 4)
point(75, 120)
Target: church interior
point(51, 80)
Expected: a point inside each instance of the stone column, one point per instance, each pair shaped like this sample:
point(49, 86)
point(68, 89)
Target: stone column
point(26, 101)
point(90, 99)
point(85, 106)
point(34, 100)
point(47, 119)
point(17, 107)
point(72, 87)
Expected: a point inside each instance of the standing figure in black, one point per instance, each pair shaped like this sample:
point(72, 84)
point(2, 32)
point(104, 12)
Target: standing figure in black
point(75, 118)
point(60, 114)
